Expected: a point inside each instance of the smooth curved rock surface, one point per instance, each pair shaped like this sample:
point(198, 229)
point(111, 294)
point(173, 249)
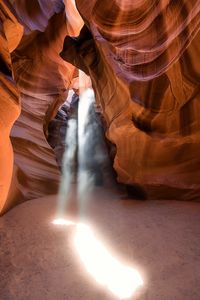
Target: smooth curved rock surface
point(143, 60)
point(144, 66)
point(42, 78)
point(9, 97)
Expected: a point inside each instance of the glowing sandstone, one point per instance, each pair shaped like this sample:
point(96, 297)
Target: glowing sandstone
point(43, 79)
point(9, 97)
point(143, 60)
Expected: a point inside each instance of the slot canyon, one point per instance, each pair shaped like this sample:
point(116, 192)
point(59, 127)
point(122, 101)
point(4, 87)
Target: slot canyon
point(99, 149)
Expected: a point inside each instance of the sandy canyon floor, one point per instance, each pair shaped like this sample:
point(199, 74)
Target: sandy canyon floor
point(161, 239)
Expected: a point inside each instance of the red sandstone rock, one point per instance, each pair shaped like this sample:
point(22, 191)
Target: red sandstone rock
point(143, 60)
point(9, 97)
point(42, 79)
point(145, 70)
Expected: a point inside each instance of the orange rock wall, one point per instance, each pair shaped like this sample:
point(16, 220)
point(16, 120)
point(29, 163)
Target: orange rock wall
point(9, 97)
point(143, 60)
point(42, 79)
point(145, 68)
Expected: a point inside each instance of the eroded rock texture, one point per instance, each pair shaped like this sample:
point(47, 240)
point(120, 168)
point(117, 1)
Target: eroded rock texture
point(42, 78)
point(10, 34)
point(143, 59)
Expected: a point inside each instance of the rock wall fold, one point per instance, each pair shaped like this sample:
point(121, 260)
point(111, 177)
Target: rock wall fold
point(42, 79)
point(9, 97)
point(143, 62)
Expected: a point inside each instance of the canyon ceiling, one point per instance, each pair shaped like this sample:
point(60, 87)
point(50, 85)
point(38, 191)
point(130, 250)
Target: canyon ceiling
point(143, 60)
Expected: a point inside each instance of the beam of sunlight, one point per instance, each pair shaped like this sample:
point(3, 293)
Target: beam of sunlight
point(67, 165)
point(119, 279)
point(84, 136)
point(86, 99)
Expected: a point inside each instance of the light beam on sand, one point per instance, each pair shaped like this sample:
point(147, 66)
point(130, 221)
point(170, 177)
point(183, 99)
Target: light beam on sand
point(119, 279)
point(104, 268)
point(61, 221)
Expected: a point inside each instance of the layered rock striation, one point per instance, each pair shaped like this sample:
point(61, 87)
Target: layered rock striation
point(42, 79)
point(10, 35)
point(142, 58)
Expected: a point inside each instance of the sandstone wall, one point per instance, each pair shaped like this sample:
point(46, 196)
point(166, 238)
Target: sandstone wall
point(143, 59)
